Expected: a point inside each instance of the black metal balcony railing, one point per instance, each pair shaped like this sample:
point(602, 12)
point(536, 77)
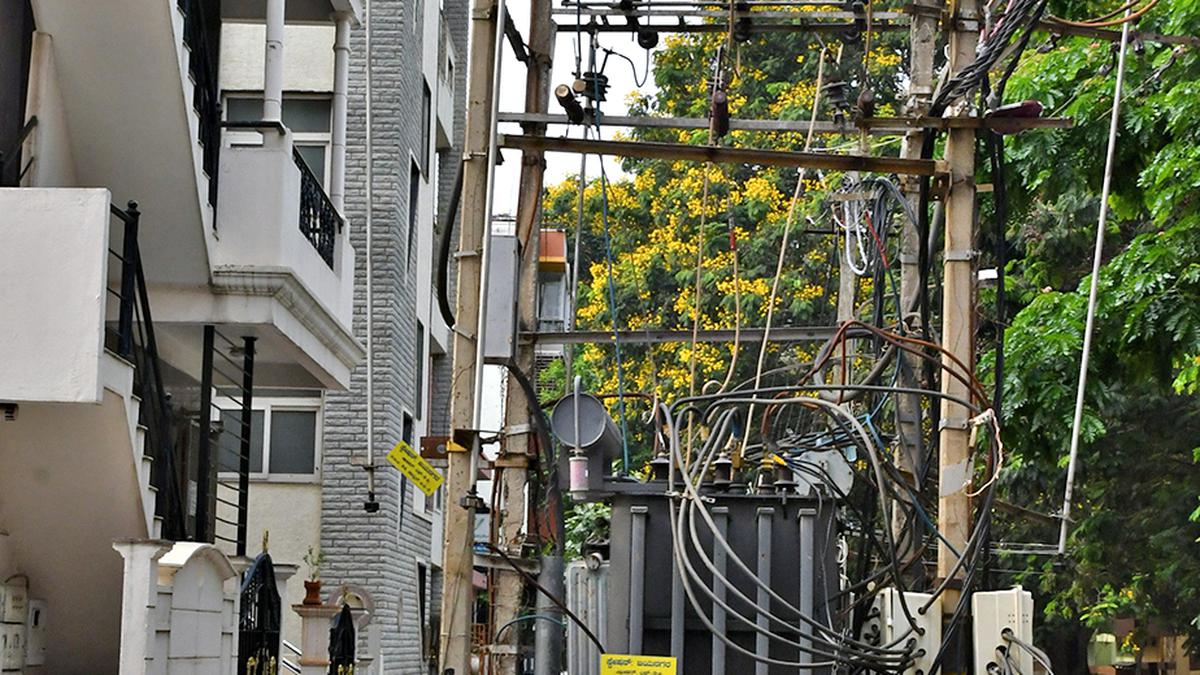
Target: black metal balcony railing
point(201, 34)
point(319, 220)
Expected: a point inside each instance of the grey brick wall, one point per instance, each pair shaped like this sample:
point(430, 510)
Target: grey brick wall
point(379, 552)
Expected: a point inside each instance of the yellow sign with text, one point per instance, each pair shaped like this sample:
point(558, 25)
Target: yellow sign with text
point(411, 464)
point(629, 664)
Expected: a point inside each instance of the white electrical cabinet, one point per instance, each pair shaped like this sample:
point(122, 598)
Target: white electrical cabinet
point(889, 625)
point(35, 634)
point(991, 613)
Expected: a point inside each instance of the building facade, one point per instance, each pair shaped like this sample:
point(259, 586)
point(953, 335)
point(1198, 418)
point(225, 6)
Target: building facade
point(183, 200)
point(380, 537)
point(416, 102)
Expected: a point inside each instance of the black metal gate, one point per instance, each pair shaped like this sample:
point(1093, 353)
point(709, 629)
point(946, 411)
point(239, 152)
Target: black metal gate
point(258, 626)
point(341, 643)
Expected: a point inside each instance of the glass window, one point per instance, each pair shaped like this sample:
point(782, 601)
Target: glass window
point(301, 115)
point(414, 198)
point(230, 441)
point(293, 441)
point(314, 157)
point(426, 119)
point(419, 390)
point(283, 437)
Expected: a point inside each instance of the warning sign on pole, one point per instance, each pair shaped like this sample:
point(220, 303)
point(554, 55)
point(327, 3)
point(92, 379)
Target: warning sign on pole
point(629, 664)
point(420, 472)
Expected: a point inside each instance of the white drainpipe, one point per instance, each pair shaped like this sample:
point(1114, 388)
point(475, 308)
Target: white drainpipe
point(273, 68)
point(341, 78)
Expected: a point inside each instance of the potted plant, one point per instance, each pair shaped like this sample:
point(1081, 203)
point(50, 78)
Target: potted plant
point(312, 585)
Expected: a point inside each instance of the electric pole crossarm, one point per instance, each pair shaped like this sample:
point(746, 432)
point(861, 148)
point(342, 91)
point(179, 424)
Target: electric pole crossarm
point(722, 155)
point(883, 126)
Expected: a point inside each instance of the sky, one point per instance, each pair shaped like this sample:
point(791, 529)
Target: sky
point(512, 99)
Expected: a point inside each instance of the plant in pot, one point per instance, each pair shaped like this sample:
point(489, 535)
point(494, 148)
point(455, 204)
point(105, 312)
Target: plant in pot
point(312, 585)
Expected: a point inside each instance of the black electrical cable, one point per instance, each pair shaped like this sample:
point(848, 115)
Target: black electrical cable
point(545, 440)
point(553, 598)
point(444, 237)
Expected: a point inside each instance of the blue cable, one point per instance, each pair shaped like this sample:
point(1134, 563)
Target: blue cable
point(612, 312)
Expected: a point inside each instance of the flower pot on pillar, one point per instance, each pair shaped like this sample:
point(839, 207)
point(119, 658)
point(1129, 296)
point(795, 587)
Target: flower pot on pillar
point(312, 592)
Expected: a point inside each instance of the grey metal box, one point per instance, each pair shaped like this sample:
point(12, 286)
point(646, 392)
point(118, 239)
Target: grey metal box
point(500, 336)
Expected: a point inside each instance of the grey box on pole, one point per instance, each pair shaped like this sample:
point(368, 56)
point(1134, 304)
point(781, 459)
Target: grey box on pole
point(500, 339)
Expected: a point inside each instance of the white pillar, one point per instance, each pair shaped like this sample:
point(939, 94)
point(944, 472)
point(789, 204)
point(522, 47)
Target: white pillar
point(138, 599)
point(273, 62)
point(341, 79)
point(314, 637)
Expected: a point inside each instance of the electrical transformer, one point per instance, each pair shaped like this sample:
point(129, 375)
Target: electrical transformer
point(787, 541)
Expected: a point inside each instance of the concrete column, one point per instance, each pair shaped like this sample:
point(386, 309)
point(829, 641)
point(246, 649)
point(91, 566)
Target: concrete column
point(314, 637)
point(341, 79)
point(273, 67)
point(548, 640)
point(139, 595)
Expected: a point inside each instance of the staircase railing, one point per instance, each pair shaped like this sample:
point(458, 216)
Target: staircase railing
point(133, 339)
point(319, 220)
point(287, 649)
point(202, 39)
point(11, 169)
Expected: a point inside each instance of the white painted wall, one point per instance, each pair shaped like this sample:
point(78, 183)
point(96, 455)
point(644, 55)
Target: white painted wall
point(307, 57)
point(68, 489)
point(49, 145)
point(53, 263)
point(180, 609)
point(291, 512)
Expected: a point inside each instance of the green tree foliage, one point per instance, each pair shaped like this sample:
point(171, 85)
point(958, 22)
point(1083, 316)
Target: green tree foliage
point(1133, 547)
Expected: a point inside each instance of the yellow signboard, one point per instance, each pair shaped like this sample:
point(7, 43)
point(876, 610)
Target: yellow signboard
point(411, 464)
point(628, 664)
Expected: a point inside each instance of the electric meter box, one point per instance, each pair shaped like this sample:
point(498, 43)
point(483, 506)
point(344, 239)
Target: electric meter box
point(14, 610)
point(12, 647)
point(14, 603)
point(889, 624)
point(35, 634)
point(991, 613)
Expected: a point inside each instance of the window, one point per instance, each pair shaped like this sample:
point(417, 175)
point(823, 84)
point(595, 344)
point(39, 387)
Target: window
point(419, 389)
point(406, 434)
point(422, 615)
point(414, 207)
point(284, 435)
point(426, 120)
point(308, 118)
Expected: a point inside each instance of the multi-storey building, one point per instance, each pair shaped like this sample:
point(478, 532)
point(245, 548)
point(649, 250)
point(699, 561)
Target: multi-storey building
point(381, 537)
point(182, 375)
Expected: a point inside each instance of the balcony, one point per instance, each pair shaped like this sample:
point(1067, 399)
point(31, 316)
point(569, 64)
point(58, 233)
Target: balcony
point(446, 69)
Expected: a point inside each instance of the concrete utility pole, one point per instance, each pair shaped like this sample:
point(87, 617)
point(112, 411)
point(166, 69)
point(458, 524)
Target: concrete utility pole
point(517, 416)
point(458, 592)
point(954, 460)
point(923, 36)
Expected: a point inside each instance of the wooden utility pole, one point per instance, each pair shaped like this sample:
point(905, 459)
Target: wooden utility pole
point(518, 423)
point(958, 259)
point(458, 593)
point(923, 36)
